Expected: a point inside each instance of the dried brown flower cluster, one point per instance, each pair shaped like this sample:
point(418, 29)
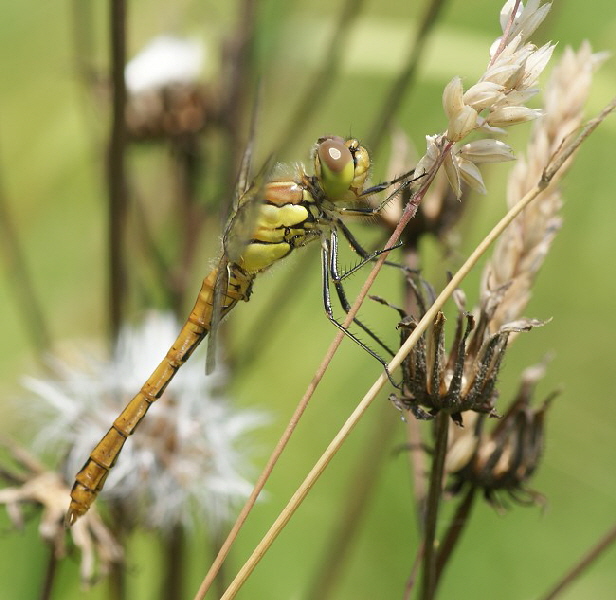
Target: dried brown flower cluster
point(503, 459)
point(464, 380)
point(166, 99)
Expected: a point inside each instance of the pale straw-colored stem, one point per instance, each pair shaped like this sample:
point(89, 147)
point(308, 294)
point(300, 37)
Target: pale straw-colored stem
point(314, 474)
point(361, 408)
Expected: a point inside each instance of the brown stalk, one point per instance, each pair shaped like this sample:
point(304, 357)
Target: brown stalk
point(582, 565)
point(116, 169)
point(429, 579)
point(422, 326)
point(383, 121)
point(26, 298)
point(354, 503)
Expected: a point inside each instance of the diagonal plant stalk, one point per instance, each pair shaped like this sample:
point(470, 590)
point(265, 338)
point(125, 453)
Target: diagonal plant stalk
point(549, 174)
point(454, 532)
point(389, 109)
point(359, 491)
point(584, 563)
point(27, 301)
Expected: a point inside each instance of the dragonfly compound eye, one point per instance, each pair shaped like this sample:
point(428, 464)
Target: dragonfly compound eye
point(335, 167)
point(361, 160)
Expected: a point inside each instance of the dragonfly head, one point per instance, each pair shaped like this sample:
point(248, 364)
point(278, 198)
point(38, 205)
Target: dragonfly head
point(341, 166)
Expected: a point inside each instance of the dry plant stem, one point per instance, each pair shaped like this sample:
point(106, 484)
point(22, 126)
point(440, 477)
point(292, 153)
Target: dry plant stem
point(410, 583)
point(441, 429)
point(323, 79)
point(552, 169)
point(273, 459)
point(116, 169)
point(18, 275)
point(454, 532)
point(422, 326)
point(238, 57)
point(417, 457)
point(505, 37)
point(588, 559)
point(174, 576)
point(405, 78)
point(354, 502)
point(50, 575)
point(188, 161)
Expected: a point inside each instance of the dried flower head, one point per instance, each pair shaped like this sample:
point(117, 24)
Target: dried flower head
point(166, 98)
point(33, 484)
point(188, 461)
point(503, 459)
point(463, 380)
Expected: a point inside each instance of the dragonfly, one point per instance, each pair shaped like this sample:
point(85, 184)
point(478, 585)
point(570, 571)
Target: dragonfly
point(271, 218)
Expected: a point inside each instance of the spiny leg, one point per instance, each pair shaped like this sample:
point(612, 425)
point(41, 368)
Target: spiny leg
point(365, 255)
point(330, 313)
point(336, 278)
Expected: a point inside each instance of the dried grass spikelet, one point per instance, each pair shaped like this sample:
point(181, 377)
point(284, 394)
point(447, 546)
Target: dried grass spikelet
point(520, 252)
point(497, 101)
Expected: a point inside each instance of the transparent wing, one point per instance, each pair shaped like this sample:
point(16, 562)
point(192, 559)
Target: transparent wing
point(237, 236)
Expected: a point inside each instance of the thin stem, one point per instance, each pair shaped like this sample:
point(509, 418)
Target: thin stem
point(417, 457)
point(27, 301)
point(359, 491)
point(174, 576)
point(188, 160)
point(454, 533)
point(382, 122)
point(441, 429)
point(50, 574)
point(116, 169)
point(505, 37)
point(269, 467)
point(586, 561)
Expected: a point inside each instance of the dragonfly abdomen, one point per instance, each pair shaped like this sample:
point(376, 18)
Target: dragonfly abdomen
point(90, 480)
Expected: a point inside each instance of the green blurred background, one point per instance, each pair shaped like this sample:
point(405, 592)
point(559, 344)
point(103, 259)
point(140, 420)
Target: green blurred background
point(52, 131)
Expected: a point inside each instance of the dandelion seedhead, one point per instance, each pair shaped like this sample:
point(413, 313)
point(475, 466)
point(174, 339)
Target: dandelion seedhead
point(186, 465)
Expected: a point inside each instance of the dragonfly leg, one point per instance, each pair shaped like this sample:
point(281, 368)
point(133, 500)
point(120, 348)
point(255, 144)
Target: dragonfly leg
point(337, 278)
point(327, 274)
point(365, 255)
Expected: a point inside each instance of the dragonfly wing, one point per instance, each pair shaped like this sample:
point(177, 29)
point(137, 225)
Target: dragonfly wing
point(218, 299)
